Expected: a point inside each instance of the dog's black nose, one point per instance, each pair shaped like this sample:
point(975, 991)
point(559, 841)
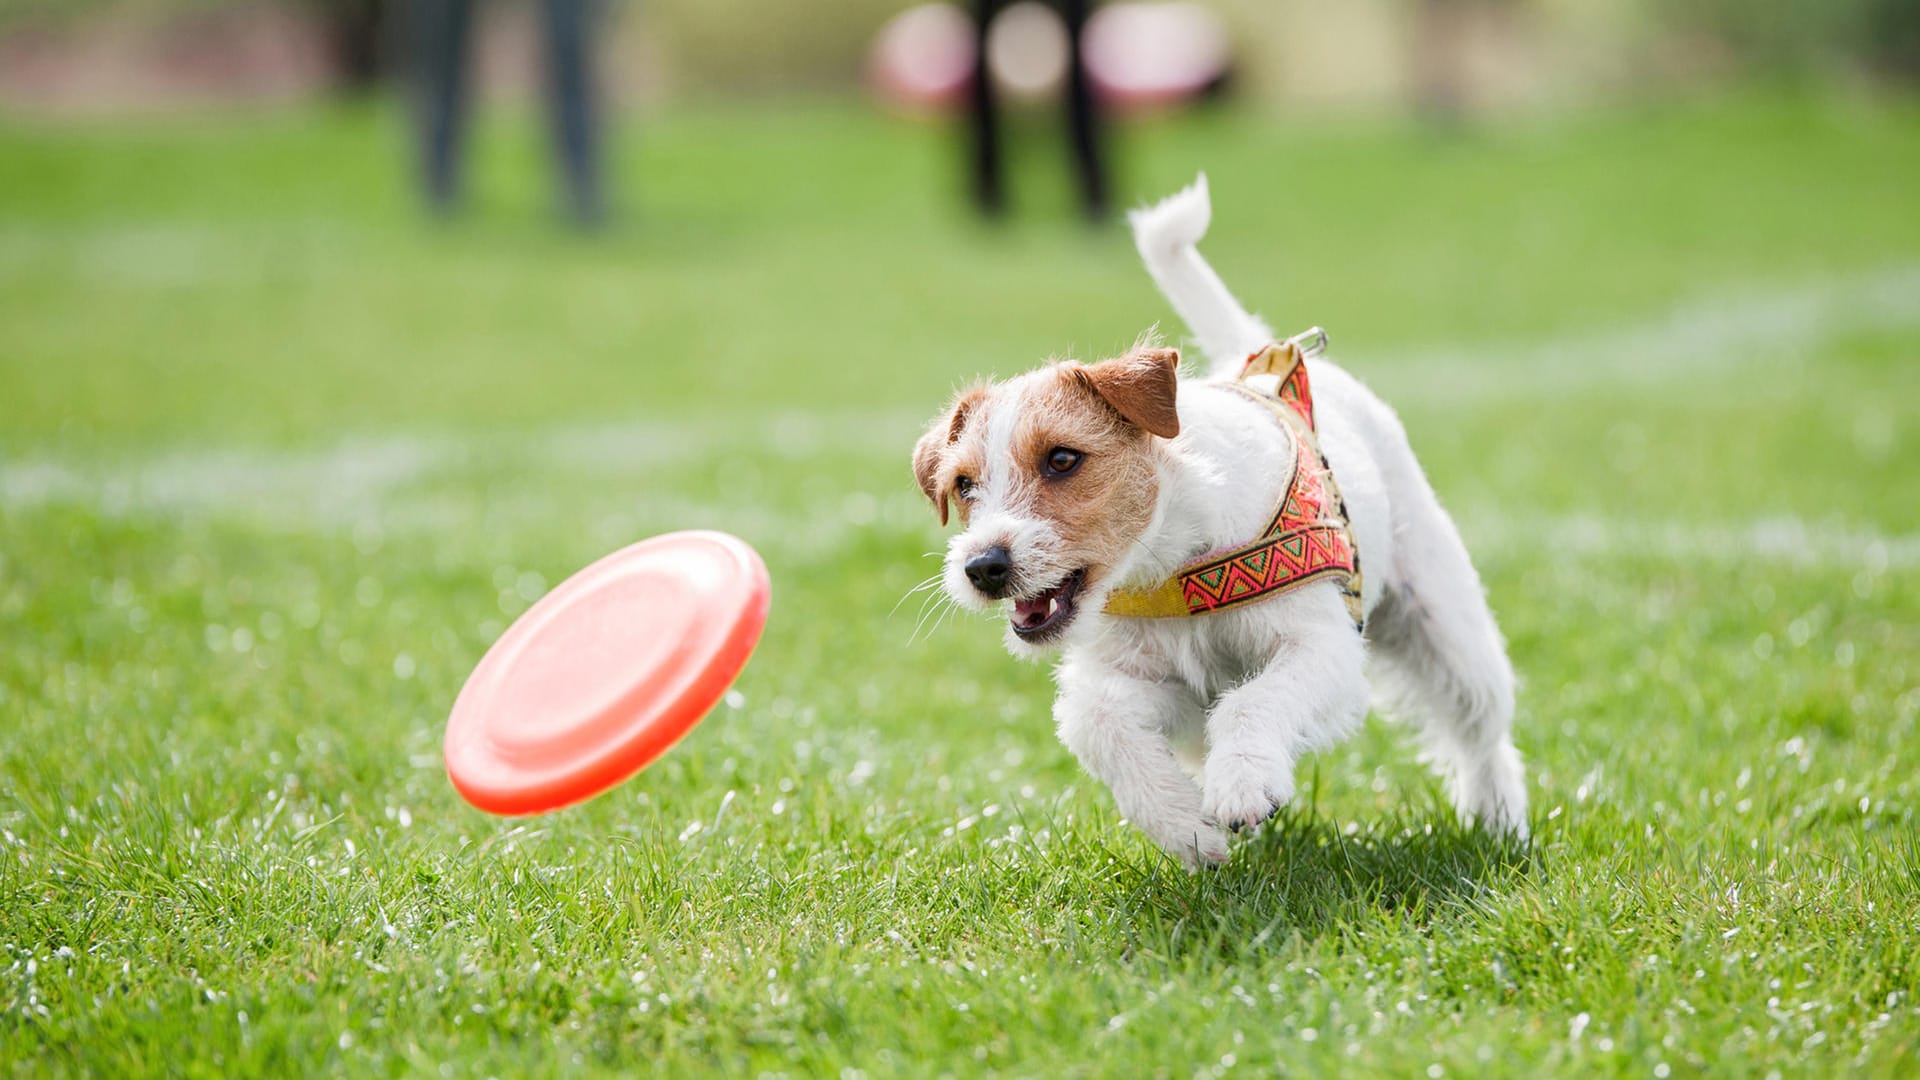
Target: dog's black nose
point(990, 570)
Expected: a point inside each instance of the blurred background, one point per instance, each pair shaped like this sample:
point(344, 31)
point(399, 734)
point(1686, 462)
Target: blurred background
point(92, 56)
point(333, 333)
point(489, 269)
point(232, 225)
point(314, 217)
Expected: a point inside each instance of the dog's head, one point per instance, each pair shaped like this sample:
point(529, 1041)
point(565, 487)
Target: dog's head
point(1053, 477)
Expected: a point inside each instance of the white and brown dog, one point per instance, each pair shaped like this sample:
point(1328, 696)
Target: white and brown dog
point(1078, 484)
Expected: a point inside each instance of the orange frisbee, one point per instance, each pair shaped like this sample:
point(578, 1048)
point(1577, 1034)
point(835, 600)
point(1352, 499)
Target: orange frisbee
point(606, 672)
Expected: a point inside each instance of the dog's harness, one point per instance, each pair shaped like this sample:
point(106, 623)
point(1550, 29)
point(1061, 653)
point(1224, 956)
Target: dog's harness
point(1309, 537)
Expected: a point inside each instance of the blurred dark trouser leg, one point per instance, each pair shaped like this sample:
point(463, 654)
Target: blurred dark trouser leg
point(439, 29)
point(576, 128)
point(1438, 35)
point(1083, 116)
point(983, 125)
point(354, 29)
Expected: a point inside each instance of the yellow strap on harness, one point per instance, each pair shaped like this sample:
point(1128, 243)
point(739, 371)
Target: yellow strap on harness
point(1308, 537)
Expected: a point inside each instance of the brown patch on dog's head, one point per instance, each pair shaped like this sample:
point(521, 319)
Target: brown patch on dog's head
point(1141, 386)
point(1057, 477)
point(931, 464)
point(1106, 416)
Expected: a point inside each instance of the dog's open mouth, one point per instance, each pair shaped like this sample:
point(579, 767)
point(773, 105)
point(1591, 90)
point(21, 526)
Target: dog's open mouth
point(1044, 615)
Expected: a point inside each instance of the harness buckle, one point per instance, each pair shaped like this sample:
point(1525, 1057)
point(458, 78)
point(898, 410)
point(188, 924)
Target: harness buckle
point(1311, 342)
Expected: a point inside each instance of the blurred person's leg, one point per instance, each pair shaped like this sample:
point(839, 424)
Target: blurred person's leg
point(439, 30)
point(1083, 115)
point(354, 30)
point(1439, 37)
point(983, 125)
point(575, 110)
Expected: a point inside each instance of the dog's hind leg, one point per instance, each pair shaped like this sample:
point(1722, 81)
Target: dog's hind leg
point(1437, 659)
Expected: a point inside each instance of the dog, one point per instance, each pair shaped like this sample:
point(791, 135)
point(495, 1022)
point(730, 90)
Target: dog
point(1079, 486)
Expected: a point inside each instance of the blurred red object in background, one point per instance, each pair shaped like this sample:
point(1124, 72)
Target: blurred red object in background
point(922, 59)
point(1137, 54)
point(1154, 54)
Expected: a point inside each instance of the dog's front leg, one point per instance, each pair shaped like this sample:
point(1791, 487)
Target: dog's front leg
point(1312, 693)
point(1117, 726)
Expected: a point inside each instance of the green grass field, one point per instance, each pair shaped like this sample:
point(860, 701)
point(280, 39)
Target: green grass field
point(278, 461)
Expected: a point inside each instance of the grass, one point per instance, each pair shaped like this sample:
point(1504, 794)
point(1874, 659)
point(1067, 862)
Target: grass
point(280, 461)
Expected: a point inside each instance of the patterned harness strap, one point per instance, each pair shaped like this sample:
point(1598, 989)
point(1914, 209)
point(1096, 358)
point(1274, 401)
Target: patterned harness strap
point(1308, 538)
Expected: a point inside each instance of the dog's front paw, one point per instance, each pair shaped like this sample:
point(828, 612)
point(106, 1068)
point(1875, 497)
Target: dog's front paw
point(1242, 790)
point(1204, 846)
point(1197, 843)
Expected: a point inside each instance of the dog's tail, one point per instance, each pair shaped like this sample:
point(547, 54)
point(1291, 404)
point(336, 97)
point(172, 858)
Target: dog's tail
point(1166, 233)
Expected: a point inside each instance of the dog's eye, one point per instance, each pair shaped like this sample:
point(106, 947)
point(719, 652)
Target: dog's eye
point(963, 486)
point(1062, 461)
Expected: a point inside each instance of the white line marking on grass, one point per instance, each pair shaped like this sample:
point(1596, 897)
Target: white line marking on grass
point(359, 475)
point(319, 483)
point(787, 434)
point(1704, 335)
point(1775, 541)
point(419, 485)
point(157, 254)
point(452, 482)
point(422, 487)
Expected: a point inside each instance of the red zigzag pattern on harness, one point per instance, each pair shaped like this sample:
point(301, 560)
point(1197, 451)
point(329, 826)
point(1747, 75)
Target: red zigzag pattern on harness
point(1299, 545)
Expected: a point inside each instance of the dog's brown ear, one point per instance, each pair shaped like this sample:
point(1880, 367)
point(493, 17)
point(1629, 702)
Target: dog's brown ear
point(926, 467)
point(1141, 387)
point(931, 450)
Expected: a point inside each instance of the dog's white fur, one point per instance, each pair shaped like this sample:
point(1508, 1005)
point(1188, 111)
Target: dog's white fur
point(1196, 723)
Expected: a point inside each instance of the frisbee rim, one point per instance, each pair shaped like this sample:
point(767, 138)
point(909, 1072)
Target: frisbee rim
point(482, 770)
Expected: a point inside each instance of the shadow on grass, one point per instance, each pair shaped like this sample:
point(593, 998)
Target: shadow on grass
point(1302, 878)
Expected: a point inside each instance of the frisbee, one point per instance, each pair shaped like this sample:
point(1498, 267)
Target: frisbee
point(606, 672)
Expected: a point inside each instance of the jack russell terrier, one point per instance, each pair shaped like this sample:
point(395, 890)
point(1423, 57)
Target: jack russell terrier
point(1195, 548)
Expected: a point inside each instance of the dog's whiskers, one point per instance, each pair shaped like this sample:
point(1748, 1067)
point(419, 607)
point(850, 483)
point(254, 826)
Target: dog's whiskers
point(928, 605)
point(936, 604)
point(945, 618)
point(929, 583)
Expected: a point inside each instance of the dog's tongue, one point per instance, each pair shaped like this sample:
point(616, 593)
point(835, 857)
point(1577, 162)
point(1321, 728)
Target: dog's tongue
point(1031, 613)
